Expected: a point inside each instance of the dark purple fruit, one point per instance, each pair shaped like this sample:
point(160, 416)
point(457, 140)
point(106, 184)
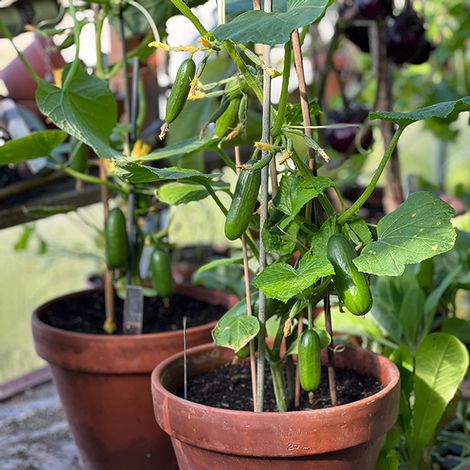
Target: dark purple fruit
point(358, 35)
point(343, 140)
point(375, 9)
point(423, 52)
point(404, 36)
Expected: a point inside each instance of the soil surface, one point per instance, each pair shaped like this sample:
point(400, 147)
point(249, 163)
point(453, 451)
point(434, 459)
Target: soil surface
point(229, 387)
point(86, 314)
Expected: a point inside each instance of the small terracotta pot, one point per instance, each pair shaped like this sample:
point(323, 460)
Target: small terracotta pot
point(340, 438)
point(104, 386)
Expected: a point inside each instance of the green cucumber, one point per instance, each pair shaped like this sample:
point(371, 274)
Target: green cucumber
point(309, 360)
point(180, 90)
point(351, 285)
point(162, 277)
point(116, 248)
point(229, 119)
point(243, 203)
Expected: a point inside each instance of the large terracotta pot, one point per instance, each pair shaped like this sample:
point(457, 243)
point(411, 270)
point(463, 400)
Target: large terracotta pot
point(340, 438)
point(104, 386)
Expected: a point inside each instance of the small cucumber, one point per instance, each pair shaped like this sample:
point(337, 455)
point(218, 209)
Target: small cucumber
point(309, 360)
point(351, 285)
point(162, 278)
point(180, 90)
point(228, 120)
point(243, 203)
point(116, 240)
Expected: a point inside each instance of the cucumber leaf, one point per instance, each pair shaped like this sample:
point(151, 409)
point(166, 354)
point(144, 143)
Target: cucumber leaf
point(419, 229)
point(133, 172)
point(235, 329)
point(445, 110)
point(272, 28)
point(282, 282)
point(35, 145)
point(86, 110)
point(220, 262)
point(183, 193)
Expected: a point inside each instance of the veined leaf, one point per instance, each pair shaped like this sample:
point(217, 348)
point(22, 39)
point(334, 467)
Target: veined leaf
point(235, 329)
point(35, 145)
point(86, 110)
point(443, 110)
point(272, 28)
point(183, 147)
point(133, 172)
point(441, 364)
point(183, 193)
point(282, 282)
point(419, 229)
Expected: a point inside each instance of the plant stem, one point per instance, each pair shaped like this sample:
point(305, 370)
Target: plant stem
point(246, 274)
point(110, 323)
point(263, 218)
point(76, 34)
point(100, 72)
point(89, 179)
point(279, 386)
point(214, 196)
point(300, 327)
point(393, 192)
point(6, 33)
point(281, 110)
point(225, 158)
point(239, 62)
point(186, 11)
point(331, 355)
point(347, 214)
point(304, 104)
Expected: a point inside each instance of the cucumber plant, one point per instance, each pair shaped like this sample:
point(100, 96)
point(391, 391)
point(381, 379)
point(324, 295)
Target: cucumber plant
point(305, 247)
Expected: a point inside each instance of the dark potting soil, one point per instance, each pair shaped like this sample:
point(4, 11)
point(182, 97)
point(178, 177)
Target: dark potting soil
point(229, 387)
point(86, 314)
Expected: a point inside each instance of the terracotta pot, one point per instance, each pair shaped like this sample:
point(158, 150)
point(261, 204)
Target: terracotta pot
point(104, 385)
point(20, 85)
point(340, 438)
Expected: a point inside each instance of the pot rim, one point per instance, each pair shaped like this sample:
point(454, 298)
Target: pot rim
point(37, 322)
point(159, 370)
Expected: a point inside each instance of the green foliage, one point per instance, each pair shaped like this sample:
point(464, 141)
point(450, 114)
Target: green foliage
point(419, 229)
point(272, 28)
point(34, 145)
point(236, 329)
point(281, 281)
point(180, 193)
point(441, 364)
point(86, 110)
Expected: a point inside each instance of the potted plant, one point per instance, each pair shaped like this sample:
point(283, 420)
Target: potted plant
point(101, 371)
point(338, 251)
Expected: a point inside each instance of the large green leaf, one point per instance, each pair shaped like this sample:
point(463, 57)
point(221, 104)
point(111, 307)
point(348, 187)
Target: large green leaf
point(281, 281)
point(183, 147)
point(183, 193)
point(86, 109)
point(419, 229)
point(272, 28)
point(133, 172)
point(439, 110)
point(235, 329)
point(441, 364)
point(37, 144)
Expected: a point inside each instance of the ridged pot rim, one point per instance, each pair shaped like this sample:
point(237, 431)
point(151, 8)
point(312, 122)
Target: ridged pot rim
point(213, 428)
point(38, 323)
